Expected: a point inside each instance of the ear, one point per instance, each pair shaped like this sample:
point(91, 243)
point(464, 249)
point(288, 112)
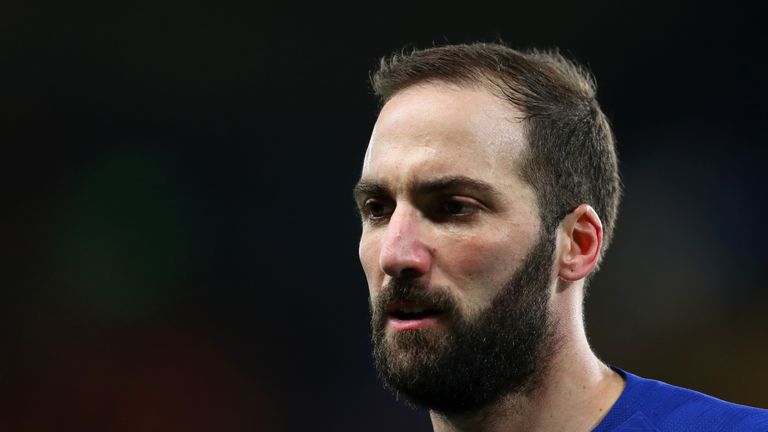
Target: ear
point(581, 236)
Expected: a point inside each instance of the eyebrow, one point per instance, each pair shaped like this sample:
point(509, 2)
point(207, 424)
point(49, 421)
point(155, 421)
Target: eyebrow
point(365, 188)
point(436, 185)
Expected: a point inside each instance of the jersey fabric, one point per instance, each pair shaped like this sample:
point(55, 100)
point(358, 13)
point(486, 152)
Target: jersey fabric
point(653, 406)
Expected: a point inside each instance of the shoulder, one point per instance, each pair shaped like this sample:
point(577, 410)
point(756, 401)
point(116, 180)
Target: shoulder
point(651, 405)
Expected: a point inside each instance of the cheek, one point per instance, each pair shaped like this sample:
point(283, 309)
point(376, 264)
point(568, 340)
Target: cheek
point(480, 266)
point(478, 259)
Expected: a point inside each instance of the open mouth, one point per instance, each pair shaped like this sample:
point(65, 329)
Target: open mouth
point(410, 317)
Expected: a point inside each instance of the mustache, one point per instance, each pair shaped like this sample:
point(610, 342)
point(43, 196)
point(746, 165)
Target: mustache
point(411, 291)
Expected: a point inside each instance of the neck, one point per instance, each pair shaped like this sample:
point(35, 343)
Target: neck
point(575, 393)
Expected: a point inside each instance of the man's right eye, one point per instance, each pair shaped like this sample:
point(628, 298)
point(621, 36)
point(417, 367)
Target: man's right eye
point(375, 209)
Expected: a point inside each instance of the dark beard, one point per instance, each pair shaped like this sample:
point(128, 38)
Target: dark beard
point(474, 362)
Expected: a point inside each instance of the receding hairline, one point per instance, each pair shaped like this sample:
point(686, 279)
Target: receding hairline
point(480, 81)
point(486, 84)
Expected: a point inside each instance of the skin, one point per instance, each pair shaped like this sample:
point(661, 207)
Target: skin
point(453, 235)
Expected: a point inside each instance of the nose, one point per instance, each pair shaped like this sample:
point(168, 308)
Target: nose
point(405, 251)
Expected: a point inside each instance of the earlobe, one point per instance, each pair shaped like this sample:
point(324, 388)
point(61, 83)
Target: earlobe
point(583, 237)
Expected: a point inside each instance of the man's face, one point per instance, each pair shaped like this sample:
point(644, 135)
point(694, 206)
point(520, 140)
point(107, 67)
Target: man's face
point(457, 270)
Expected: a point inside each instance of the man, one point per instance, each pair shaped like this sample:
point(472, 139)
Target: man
point(488, 195)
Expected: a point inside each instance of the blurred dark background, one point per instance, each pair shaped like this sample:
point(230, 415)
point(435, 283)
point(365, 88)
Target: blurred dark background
point(179, 241)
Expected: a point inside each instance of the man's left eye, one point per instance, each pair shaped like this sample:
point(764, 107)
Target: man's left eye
point(455, 207)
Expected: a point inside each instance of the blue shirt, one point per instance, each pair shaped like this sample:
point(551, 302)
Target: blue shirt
point(653, 406)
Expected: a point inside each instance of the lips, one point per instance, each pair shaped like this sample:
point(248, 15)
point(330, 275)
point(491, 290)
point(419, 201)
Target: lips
point(404, 316)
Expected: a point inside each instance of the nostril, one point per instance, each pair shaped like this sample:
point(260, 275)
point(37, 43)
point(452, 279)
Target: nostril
point(410, 273)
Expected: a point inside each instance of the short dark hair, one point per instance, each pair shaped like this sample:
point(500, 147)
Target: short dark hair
point(570, 156)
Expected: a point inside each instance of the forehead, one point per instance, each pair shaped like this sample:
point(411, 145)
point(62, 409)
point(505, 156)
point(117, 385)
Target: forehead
point(440, 129)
